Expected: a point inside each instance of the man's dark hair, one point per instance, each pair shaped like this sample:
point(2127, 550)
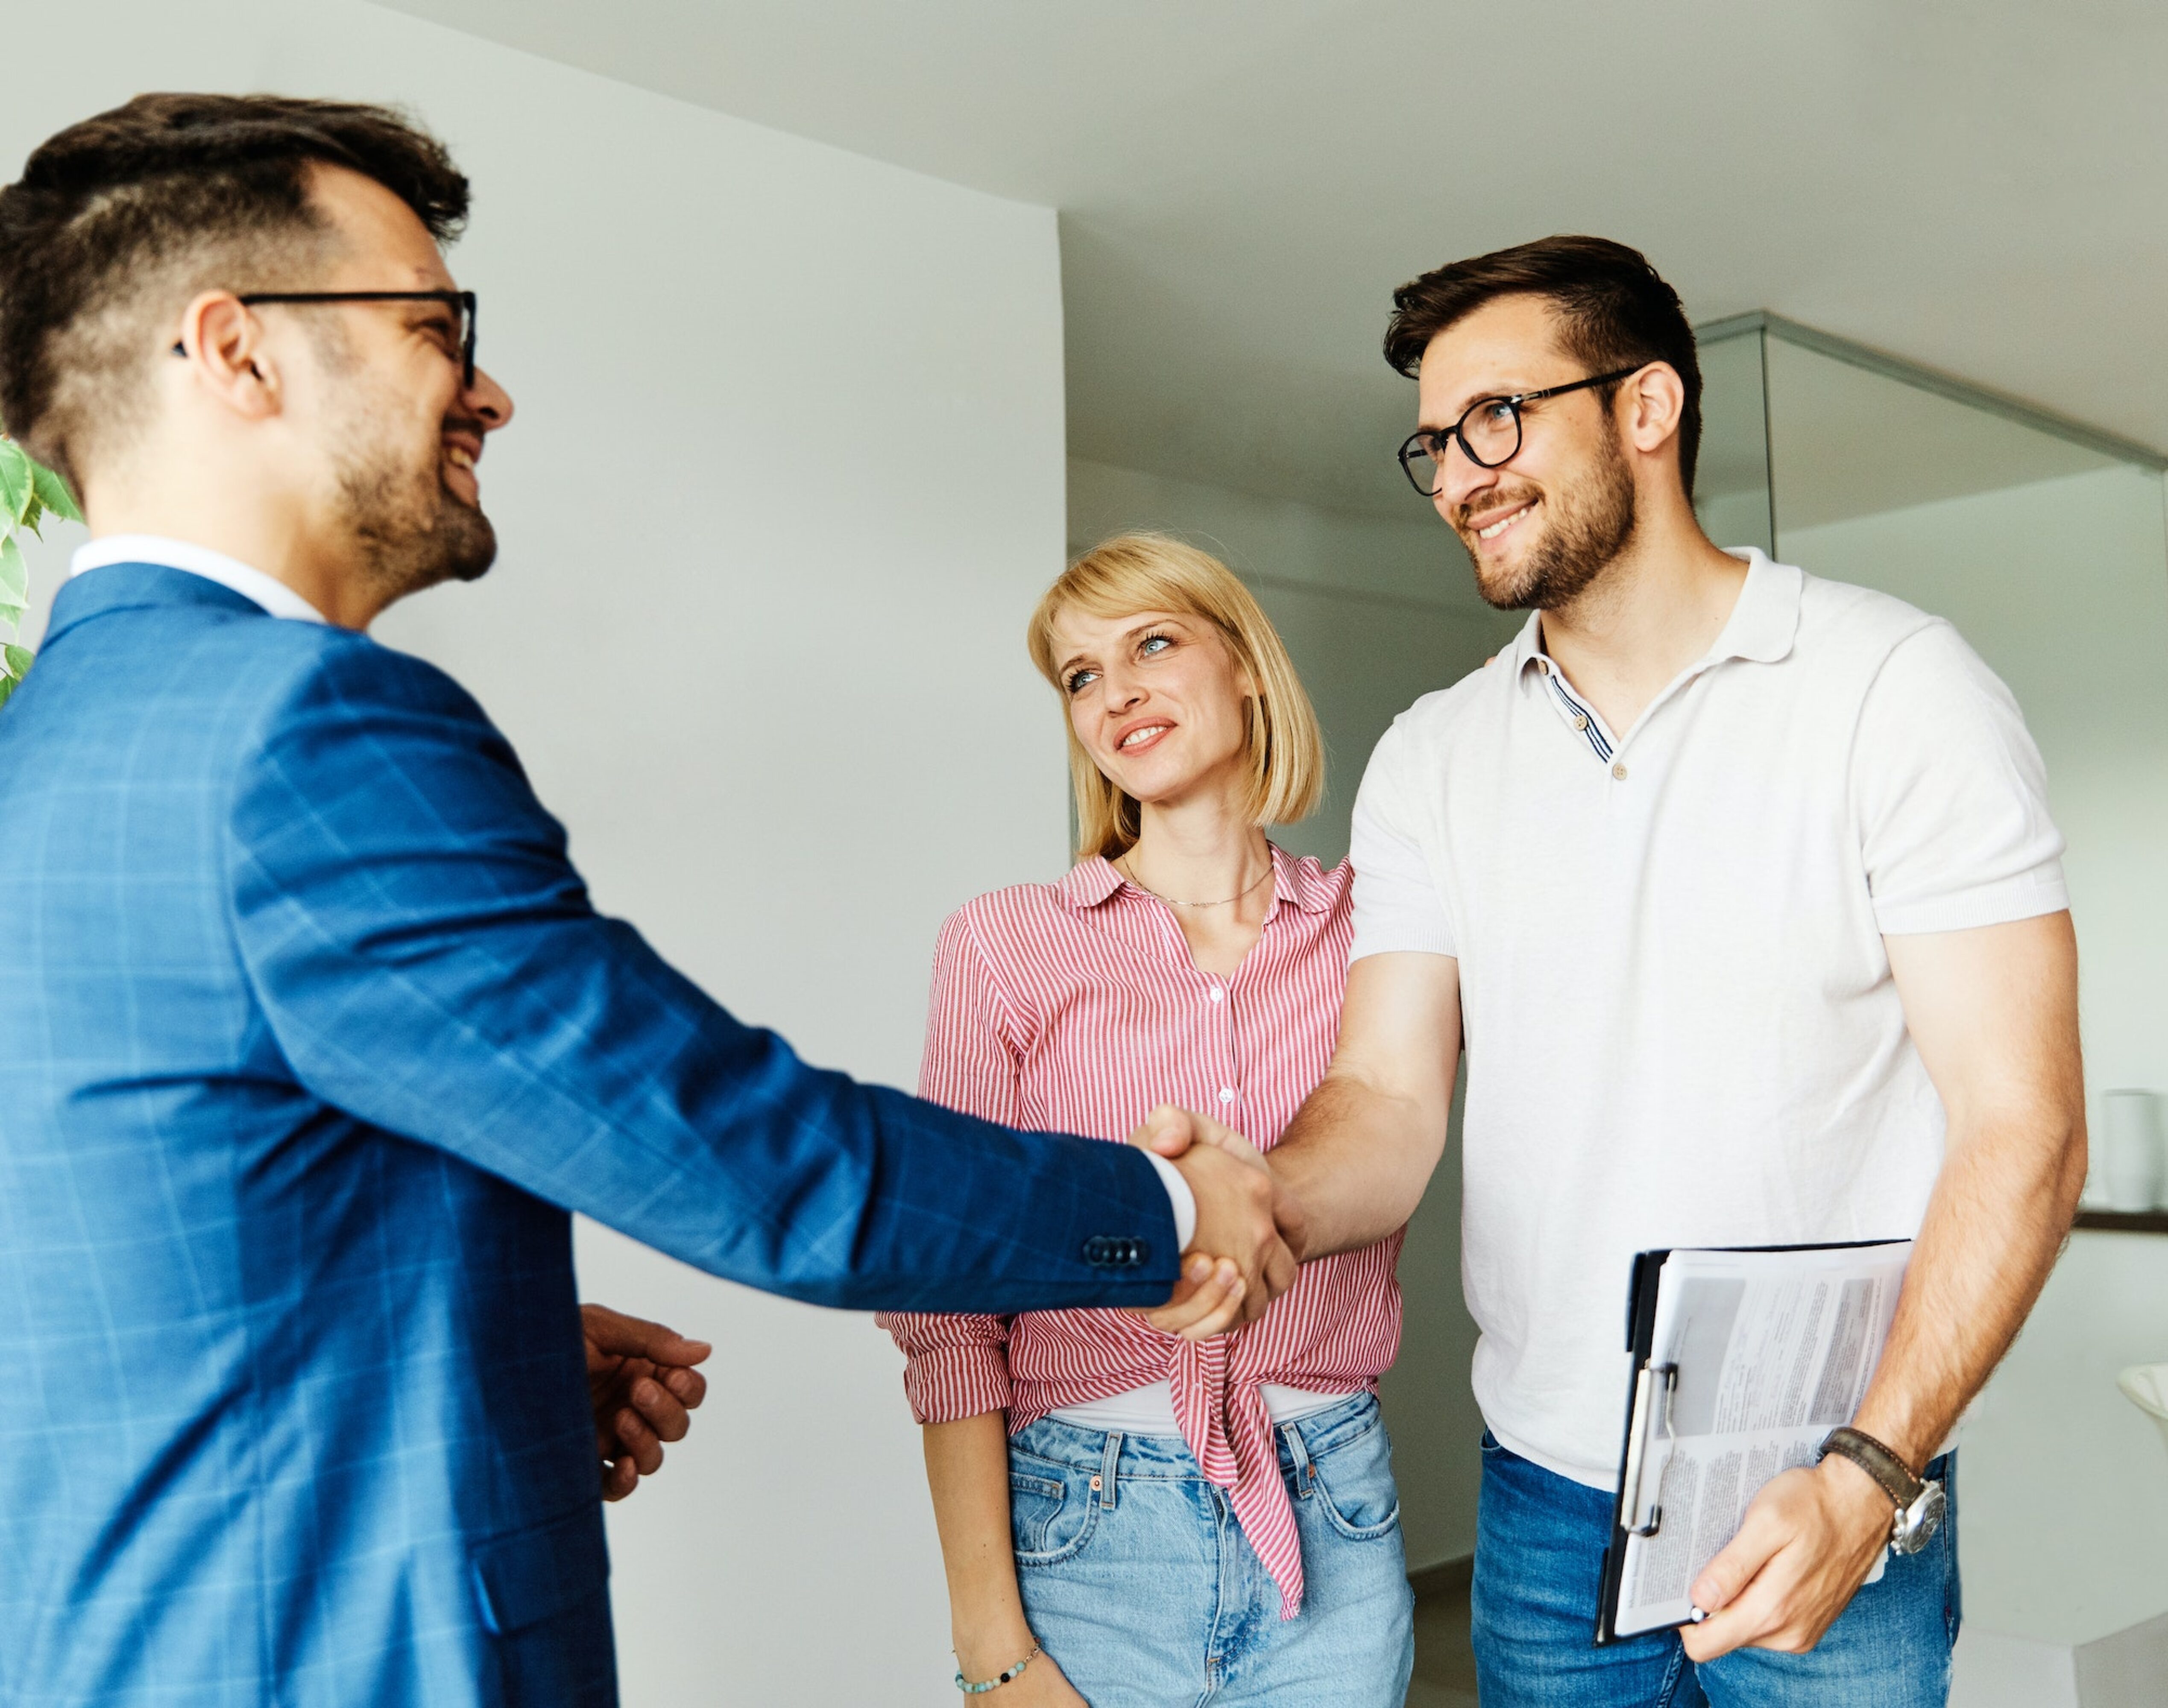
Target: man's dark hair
point(1613, 308)
point(118, 221)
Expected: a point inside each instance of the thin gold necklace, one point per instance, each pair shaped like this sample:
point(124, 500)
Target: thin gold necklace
point(1121, 866)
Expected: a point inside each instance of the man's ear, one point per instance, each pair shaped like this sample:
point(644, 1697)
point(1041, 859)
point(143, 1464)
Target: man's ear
point(223, 343)
point(1651, 405)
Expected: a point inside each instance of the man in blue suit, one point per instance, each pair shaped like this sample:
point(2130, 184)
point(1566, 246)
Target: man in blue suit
point(310, 1037)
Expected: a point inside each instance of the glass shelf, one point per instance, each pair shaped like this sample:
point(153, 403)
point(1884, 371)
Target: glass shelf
point(2042, 540)
point(2123, 1221)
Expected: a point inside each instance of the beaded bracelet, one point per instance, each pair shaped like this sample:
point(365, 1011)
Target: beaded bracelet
point(995, 1684)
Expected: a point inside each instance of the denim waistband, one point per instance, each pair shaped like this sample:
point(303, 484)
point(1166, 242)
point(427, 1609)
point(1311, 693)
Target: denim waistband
point(1169, 1456)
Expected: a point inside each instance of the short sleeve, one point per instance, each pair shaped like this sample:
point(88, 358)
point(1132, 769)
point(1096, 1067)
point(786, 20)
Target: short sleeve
point(1952, 795)
point(1397, 904)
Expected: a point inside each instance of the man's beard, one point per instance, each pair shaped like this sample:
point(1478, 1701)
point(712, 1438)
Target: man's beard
point(411, 531)
point(1582, 538)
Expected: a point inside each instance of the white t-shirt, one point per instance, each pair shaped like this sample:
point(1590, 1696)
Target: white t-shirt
point(1680, 1022)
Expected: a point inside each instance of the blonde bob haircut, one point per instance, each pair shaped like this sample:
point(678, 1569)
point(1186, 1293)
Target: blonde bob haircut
point(1135, 572)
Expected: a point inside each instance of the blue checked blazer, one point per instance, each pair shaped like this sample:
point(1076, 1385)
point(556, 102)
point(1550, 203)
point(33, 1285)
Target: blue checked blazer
point(310, 1039)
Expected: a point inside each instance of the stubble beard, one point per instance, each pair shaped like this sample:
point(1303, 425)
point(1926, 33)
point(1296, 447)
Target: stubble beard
point(411, 530)
point(1583, 537)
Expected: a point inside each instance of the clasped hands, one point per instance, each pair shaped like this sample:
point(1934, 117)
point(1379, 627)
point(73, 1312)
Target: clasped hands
point(1248, 1242)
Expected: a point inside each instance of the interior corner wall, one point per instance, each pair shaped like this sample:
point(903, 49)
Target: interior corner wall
point(786, 477)
point(1375, 611)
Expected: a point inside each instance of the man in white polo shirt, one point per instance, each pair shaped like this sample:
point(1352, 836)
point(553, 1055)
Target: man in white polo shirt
point(1743, 887)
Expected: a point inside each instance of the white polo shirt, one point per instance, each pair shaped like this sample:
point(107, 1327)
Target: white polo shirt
point(1680, 1021)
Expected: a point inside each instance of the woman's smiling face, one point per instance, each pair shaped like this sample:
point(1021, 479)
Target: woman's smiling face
point(1158, 700)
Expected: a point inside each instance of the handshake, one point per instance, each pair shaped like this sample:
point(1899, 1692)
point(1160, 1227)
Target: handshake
point(1249, 1239)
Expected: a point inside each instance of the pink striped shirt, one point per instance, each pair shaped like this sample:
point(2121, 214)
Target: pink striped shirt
point(1076, 1007)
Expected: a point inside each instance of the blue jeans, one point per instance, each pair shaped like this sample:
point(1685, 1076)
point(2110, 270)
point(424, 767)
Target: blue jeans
point(1145, 1591)
point(1539, 1542)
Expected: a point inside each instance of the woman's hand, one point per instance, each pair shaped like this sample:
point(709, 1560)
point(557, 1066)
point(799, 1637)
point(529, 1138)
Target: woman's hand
point(1208, 1299)
point(1042, 1684)
point(1240, 1259)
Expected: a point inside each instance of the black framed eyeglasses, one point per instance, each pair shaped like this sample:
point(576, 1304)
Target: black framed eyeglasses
point(462, 304)
point(1489, 432)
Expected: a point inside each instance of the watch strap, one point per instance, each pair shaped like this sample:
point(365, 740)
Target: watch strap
point(1893, 1475)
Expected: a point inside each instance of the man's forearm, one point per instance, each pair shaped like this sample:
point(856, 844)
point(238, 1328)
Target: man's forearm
point(1999, 1213)
point(1993, 1012)
point(1357, 1158)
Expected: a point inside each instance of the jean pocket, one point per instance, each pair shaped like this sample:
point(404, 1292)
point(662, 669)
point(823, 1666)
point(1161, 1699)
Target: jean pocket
point(1354, 1481)
point(1051, 1516)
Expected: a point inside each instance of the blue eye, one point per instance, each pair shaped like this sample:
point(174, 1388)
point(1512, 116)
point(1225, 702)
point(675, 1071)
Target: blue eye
point(1080, 680)
point(1152, 644)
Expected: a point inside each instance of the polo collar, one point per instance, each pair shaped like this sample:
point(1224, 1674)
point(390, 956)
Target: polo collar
point(1525, 657)
point(1090, 882)
point(1760, 629)
point(1765, 620)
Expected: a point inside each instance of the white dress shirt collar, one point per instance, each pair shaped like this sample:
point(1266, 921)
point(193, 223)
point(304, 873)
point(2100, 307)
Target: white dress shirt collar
point(274, 595)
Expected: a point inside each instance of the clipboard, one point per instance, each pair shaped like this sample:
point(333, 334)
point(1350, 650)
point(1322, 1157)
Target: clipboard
point(1652, 1387)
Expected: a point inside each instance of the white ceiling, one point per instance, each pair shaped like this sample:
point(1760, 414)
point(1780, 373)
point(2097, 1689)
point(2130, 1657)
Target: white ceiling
point(1980, 187)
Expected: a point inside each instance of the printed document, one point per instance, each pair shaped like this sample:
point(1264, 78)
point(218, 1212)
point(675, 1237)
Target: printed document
point(1756, 1357)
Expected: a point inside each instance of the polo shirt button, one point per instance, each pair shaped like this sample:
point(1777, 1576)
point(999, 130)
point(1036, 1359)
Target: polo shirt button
point(1579, 722)
point(1226, 1094)
point(1218, 995)
point(1542, 666)
point(1618, 770)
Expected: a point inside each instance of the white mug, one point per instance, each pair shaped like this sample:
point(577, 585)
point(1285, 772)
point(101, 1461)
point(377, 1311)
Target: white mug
point(2134, 1155)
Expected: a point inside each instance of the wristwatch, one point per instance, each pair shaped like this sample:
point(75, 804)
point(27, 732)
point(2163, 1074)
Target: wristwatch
point(1920, 1501)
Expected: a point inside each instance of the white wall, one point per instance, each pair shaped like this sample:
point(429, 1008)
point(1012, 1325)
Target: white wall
point(2062, 586)
point(1374, 611)
point(786, 477)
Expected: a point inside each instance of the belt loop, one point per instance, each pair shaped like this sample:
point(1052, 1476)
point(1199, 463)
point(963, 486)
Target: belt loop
point(1108, 1462)
point(1305, 1475)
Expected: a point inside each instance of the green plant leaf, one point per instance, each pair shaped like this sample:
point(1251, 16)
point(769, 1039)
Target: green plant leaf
point(52, 492)
point(7, 689)
point(11, 619)
point(18, 659)
point(14, 575)
point(17, 484)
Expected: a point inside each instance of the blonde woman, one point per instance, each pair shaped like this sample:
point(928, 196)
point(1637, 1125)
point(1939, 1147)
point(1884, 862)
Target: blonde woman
point(1130, 1519)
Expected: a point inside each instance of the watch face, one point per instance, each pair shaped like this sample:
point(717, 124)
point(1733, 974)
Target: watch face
point(1918, 1522)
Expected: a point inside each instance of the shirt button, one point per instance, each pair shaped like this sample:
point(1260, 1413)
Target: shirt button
point(1542, 666)
point(1618, 770)
point(1226, 1094)
point(1218, 995)
point(1579, 721)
